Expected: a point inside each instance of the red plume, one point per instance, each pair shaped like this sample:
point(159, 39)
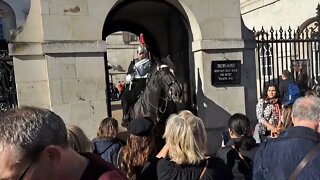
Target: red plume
point(142, 42)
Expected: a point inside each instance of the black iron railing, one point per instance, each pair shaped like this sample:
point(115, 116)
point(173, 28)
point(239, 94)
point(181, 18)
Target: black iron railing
point(8, 95)
point(284, 49)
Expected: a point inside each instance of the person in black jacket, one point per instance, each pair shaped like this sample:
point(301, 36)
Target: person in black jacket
point(183, 156)
point(302, 77)
point(140, 147)
point(239, 152)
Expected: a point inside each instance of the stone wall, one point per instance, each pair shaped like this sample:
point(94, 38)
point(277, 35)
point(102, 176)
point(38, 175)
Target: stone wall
point(77, 89)
point(63, 47)
point(67, 80)
point(21, 10)
point(119, 56)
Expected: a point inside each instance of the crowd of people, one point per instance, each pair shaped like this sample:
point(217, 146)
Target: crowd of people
point(35, 143)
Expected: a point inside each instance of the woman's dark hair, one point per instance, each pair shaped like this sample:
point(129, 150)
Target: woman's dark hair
point(286, 74)
point(135, 154)
point(239, 124)
point(265, 90)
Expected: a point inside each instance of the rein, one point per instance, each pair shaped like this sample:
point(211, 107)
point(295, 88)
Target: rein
point(157, 108)
point(164, 106)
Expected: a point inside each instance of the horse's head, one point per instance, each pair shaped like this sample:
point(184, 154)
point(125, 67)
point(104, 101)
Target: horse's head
point(170, 83)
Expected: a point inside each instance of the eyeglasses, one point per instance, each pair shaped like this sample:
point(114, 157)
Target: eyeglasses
point(25, 171)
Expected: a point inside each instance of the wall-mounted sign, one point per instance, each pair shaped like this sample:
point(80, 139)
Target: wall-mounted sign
point(226, 72)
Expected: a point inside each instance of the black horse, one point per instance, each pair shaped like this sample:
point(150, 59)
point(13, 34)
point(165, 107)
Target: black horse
point(158, 101)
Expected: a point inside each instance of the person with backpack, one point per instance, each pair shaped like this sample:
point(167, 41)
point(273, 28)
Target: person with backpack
point(289, 90)
point(106, 144)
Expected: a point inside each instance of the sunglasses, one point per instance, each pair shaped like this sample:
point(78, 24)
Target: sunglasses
point(23, 174)
point(25, 171)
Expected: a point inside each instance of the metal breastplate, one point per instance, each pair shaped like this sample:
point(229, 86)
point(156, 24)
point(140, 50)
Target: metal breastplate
point(142, 69)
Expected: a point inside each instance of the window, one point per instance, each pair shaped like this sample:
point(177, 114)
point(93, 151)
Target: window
point(129, 38)
point(133, 37)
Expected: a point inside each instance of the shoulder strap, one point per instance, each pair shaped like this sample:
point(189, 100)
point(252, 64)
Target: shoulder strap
point(304, 162)
point(107, 148)
point(241, 157)
point(204, 170)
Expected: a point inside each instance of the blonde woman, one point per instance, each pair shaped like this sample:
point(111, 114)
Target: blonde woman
point(78, 139)
point(183, 156)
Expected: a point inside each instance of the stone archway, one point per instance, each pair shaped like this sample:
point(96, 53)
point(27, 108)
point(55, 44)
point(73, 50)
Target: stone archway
point(62, 44)
point(167, 32)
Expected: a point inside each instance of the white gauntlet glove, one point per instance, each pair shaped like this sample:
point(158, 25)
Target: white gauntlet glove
point(129, 78)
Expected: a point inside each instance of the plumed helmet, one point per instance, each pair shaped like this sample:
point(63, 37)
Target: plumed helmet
point(142, 49)
point(143, 46)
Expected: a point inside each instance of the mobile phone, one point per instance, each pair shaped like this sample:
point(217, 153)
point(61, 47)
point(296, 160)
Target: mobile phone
point(225, 136)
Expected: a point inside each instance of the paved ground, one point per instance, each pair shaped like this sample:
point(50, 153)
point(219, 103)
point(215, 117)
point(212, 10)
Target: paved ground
point(117, 114)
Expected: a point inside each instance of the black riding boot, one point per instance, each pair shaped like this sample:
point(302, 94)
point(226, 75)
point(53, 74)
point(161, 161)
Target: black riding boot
point(125, 103)
point(126, 116)
point(129, 98)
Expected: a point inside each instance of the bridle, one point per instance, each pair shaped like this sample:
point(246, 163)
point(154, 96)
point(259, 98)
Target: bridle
point(162, 109)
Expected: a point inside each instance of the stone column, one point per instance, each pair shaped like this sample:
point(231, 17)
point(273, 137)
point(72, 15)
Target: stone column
point(221, 39)
point(65, 77)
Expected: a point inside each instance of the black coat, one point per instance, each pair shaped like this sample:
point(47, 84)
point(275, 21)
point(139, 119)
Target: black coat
point(302, 81)
point(165, 169)
point(230, 156)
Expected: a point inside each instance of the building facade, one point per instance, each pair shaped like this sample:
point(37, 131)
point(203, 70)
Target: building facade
point(287, 32)
point(61, 54)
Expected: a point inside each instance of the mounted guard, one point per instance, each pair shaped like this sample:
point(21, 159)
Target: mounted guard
point(138, 72)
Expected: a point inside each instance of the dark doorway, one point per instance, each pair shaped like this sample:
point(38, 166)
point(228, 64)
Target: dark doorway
point(166, 30)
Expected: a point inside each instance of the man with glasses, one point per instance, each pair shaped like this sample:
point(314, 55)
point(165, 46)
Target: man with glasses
point(295, 154)
point(138, 72)
point(34, 145)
